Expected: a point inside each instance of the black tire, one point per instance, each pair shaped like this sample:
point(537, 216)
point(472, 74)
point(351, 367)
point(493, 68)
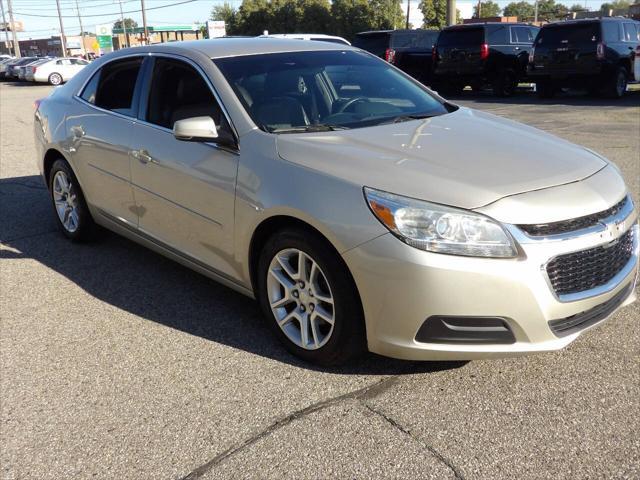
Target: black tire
point(86, 228)
point(616, 84)
point(546, 89)
point(348, 338)
point(505, 83)
point(55, 79)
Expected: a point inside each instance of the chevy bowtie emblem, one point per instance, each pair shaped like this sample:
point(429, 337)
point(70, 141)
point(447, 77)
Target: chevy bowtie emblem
point(611, 232)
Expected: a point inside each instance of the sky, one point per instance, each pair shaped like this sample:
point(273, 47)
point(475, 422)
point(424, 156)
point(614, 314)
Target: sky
point(40, 16)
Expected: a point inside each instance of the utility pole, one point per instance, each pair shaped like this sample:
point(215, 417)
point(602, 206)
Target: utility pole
point(16, 44)
point(6, 28)
point(144, 23)
point(479, 12)
point(124, 27)
point(408, 12)
point(451, 12)
point(63, 40)
point(535, 15)
point(84, 52)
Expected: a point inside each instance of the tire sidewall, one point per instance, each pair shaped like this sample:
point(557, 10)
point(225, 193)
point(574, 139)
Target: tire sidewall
point(347, 338)
point(53, 76)
point(85, 222)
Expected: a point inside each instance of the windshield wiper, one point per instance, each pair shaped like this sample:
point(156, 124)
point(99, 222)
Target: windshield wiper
point(320, 127)
point(413, 116)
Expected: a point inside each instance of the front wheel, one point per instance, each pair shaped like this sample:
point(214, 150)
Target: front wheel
point(55, 79)
point(311, 302)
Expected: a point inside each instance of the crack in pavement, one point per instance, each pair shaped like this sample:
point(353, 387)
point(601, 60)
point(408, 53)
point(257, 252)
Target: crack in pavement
point(369, 391)
point(457, 474)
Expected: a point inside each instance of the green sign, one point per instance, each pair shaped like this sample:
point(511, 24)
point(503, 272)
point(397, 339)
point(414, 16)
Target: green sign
point(105, 42)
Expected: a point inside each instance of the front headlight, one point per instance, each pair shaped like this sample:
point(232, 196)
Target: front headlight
point(440, 229)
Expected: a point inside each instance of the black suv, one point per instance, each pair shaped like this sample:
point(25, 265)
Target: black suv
point(409, 50)
point(478, 54)
point(596, 54)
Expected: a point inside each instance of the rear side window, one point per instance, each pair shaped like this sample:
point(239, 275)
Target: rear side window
point(521, 35)
point(112, 87)
point(461, 36)
point(631, 33)
point(611, 31)
point(572, 33)
point(498, 36)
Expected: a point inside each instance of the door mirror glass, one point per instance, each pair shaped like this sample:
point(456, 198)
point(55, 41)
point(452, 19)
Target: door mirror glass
point(195, 129)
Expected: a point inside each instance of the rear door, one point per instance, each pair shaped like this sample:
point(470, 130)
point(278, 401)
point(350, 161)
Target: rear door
point(569, 48)
point(459, 51)
point(100, 127)
point(522, 38)
point(631, 38)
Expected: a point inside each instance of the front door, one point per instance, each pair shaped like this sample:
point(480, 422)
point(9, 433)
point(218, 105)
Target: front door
point(184, 190)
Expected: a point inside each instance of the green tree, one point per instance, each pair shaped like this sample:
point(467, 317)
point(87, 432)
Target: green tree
point(523, 10)
point(487, 9)
point(434, 13)
point(226, 13)
point(577, 7)
point(352, 16)
point(130, 23)
point(549, 10)
point(616, 4)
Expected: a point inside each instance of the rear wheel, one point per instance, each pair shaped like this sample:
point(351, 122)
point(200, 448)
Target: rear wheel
point(69, 204)
point(55, 79)
point(546, 89)
point(616, 85)
point(505, 83)
point(309, 298)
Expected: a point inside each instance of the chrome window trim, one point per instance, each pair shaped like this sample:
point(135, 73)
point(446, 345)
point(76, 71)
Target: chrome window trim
point(602, 289)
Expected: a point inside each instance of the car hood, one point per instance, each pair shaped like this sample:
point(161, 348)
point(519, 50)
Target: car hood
point(466, 158)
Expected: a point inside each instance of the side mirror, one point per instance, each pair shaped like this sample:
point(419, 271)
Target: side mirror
point(196, 129)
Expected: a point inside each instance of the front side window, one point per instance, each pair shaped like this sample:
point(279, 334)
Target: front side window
point(630, 32)
point(178, 92)
point(324, 90)
point(112, 87)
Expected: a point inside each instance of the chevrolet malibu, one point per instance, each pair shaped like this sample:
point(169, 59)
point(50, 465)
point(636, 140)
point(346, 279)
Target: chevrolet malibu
point(359, 208)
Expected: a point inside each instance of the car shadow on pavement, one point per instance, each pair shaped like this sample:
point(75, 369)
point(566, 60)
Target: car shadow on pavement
point(572, 98)
point(135, 279)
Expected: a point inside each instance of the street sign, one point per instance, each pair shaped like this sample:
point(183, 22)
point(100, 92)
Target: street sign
point(216, 28)
point(104, 37)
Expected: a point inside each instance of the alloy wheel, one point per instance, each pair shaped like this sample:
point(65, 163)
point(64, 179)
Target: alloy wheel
point(66, 202)
point(300, 298)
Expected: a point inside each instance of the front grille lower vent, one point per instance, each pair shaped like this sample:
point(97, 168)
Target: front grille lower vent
point(579, 223)
point(580, 271)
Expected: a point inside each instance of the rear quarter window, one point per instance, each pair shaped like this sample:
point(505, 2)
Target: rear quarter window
point(403, 39)
point(499, 35)
point(611, 31)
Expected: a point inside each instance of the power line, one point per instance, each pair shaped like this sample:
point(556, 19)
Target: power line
point(109, 13)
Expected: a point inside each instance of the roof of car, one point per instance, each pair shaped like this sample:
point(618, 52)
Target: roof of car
point(231, 47)
point(485, 24)
point(589, 20)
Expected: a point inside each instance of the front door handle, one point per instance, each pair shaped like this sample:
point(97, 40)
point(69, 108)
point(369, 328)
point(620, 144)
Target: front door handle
point(142, 156)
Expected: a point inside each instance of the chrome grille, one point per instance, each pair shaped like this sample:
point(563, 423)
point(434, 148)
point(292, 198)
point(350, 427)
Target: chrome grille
point(564, 226)
point(580, 271)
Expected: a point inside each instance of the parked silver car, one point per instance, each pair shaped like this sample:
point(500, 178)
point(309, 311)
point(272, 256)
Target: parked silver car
point(359, 208)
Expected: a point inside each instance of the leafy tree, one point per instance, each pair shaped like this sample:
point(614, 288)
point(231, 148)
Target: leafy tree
point(487, 9)
point(353, 16)
point(576, 7)
point(130, 23)
point(523, 10)
point(434, 13)
point(226, 13)
point(616, 4)
point(549, 10)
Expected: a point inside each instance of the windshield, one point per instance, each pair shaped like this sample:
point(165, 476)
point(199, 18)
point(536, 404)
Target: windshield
point(587, 32)
point(303, 91)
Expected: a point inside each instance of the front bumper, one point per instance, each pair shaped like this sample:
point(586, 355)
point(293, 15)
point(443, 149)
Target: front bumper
point(401, 286)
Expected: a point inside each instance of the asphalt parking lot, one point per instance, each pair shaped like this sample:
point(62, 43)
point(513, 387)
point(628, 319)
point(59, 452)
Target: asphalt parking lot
point(119, 363)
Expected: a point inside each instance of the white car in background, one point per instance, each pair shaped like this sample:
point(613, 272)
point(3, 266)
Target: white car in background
point(317, 37)
point(55, 71)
